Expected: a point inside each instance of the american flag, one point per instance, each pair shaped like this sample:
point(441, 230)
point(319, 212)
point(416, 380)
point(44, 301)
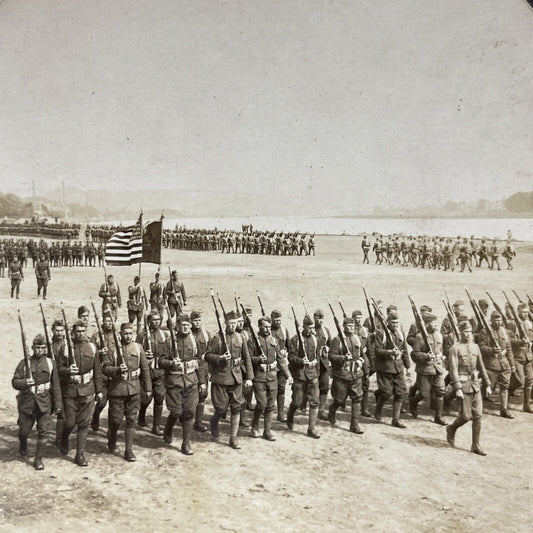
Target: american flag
point(125, 247)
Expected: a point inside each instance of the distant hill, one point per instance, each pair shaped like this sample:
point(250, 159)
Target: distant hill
point(14, 207)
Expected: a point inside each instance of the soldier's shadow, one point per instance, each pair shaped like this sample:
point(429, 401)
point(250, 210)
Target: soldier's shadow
point(419, 440)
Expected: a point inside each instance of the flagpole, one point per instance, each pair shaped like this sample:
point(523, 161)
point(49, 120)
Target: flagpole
point(161, 243)
point(141, 224)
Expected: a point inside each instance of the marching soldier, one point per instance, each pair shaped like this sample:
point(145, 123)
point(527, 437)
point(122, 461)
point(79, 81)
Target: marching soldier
point(42, 273)
point(39, 396)
point(81, 378)
point(202, 337)
point(466, 364)
point(348, 368)
point(126, 372)
point(16, 275)
point(110, 294)
point(176, 296)
point(323, 337)
point(281, 335)
point(157, 295)
point(135, 303)
point(365, 245)
point(366, 348)
point(227, 376)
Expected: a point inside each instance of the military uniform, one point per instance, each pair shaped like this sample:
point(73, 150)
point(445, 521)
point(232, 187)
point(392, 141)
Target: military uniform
point(108, 343)
point(42, 273)
point(157, 296)
point(176, 296)
point(202, 337)
point(16, 275)
point(281, 335)
point(523, 359)
point(135, 305)
point(110, 294)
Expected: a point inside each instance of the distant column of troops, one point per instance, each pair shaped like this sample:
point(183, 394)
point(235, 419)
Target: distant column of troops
point(465, 358)
point(438, 252)
point(41, 229)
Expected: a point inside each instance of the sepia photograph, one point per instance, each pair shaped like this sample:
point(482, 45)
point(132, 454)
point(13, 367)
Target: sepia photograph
point(265, 266)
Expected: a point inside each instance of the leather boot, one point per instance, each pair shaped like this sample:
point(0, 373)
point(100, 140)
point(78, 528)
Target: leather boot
point(323, 400)
point(290, 416)
point(38, 461)
point(332, 411)
point(527, 400)
point(380, 402)
point(364, 405)
point(234, 430)
point(413, 404)
point(476, 430)
point(156, 424)
point(249, 403)
point(81, 444)
point(198, 426)
point(59, 430)
point(95, 421)
point(63, 444)
point(311, 428)
point(504, 400)
point(439, 405)
point(255, 424)
point(396, 409)
point(142, 416)
point(267, 433)
point(112, 437)
point(213, 425)
point(281, 408)
point(186, 444)
point(23, 446)
point(356, 412)
point(242, 417)
point(451, 429)
point(171, 421)
point(129, 434)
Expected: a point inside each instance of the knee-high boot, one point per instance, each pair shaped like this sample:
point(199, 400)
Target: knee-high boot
point(198, 425)
point(380, 402)
point(311, 428)
point(452, 428)
point(234, 430)
point(81, 444)
point(439, 406)
point(267, 433)
point(171, 421)
point(504, 401)
point(354, 424)
point(280, 400)
point(129, 434)
point(38, 461)
point(323, 400)
point(187, 430)
point(364, 405)
point(476, 431)
point(332, 411)
point(156, 424)
point(396, 409)
point(255, 423)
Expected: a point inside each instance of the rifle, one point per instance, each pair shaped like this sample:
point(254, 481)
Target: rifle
point(145, 299)
point(221, 305)
point(342, 309)
point(68, 338)
point(173, 343)
point(305, 306)
point(475, 308)
point(370, 315)
point(518, 297)
point(46, 334)
point(105, 281)
point(98, 326)
point(254, 336)
point(236, 302)
point(299, 333)
point(498, 308)
point(220, 328)
point(518, 323)
point(383, 323)
point(116, 341)
point(260, 304)
point(344, 344)
point(452, 319)
point(25, 349)
point(448, 302)
point(420, 324)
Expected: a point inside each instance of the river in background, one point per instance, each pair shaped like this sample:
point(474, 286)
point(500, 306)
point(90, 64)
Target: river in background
point(521, 228)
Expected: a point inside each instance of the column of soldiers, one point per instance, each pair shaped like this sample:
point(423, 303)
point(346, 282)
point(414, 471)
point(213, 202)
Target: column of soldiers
point(240, 242)
point(46, 230)
point(438, 253)
point(462, 361)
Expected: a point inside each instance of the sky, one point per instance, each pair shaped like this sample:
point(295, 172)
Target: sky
point(374, 102)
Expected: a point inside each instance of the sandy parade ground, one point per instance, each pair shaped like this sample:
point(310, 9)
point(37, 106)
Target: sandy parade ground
point(385, 480)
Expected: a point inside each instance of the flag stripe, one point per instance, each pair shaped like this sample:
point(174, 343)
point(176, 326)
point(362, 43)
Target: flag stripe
point(124, 247)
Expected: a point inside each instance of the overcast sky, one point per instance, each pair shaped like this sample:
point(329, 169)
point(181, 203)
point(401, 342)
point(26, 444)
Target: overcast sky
point(389, 102)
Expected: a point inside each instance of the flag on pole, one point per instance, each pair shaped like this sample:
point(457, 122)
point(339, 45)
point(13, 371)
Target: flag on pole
point(152, 240)
point(125, 247)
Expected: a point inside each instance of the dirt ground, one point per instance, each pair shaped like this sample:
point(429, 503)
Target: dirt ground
point(385, 480)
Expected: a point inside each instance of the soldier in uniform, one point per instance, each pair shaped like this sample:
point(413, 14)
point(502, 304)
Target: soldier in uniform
point(157, 295)
point(42, 273)
point(227, 376)
point(391, 356)
point(267, 360)
point(81, 378)
point(202, 337)
point(182, 380)
point(365, 246)
point(281, 335)
point(110, 294)
point(498, 359)
point(365, 338)
point(126, 371)
point(303, 364)
point(323, 337)
point(39, 396)
point(348, 367)
point(466, 364)
point(175, 293)
point(157, 348)
point(135, 303)
point(429, 369)
point(495, 255)
point(16, 275)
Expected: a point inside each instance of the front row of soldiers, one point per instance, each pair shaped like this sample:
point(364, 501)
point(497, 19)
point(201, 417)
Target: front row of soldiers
point(81, 375)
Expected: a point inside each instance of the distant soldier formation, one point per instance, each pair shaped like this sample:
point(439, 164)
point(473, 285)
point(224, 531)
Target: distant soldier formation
point(46, 230)
point(166, 356)
point(438, 253)
point(246, 241)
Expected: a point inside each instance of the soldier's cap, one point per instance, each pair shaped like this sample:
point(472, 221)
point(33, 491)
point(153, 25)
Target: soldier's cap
point(391, 308)
point(58, 323)
point(428, 317)
point(248, 309)
point(379, 302)
point(82, 310)
point(154, 313)
point(393, 315)
point(125, 325)
point(79, 324)
point(231, 315)
point(425, 309)
point(174, 272)
point(521, 306)
point(109, 276)
point(484, 304)
point(107, 313)
point(136, 279)
point(459, 303)
point(275, 314)
point(308, 321)
point(348, 320)
point(157, 274)
point(195, 315)
point(318, 313)
point(357, 313)
point(264, 319)
point(464, 325)
point(39, 340)
point(183, 317)
point(495, 314)
point(462, 318)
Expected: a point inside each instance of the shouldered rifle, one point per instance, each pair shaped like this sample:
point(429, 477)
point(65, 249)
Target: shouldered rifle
point(518, 297)
point(254, 336)
point(475, 308)
point(121, 359)
point(305, 306)
point(145, 300)
point(452, 319)
point(105, 281)
point(236, 302)
point(340, 332)
point(384, 326)
point(173, 343)
point(299, 333)
point(448, 302)
point(147, 332)
point(370, 314)
point(499, 309)
point(25, 349)
point(221, 332)
point(221, 305)
point(529, 300)
point(46, 334)
point(519, 326)
point(342, 309)
point(260, 304)
point(420, 325)
point(68, 338)
point(98, 327)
